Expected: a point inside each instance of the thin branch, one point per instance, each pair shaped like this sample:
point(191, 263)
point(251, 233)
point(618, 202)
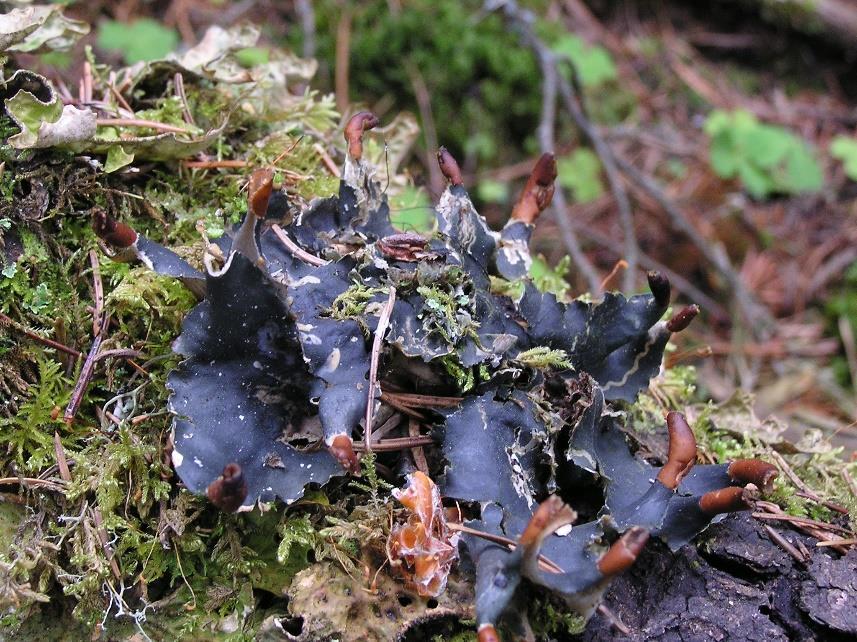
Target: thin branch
point(82, 380)
point(755, 313)
point(396, 443)
point(838, 542)
point(786, 545)
point(417, 451)
point(62, 462)
point(178, 81)
point(423, 401)
point(792, 475)
point(120, 353)
point(98, 288)
point(105, 543)
point(295, 249)
point(850, 481)
point(608, 161)
point(377, 344)
point(802, 521)
point(827, 504)
point(120, 99)
point(327, 160)
point(846, 332)
point(680, 283)
point(404, 409)
point(547, 143)
point(87, 82)
point(544, 562)
point(522, 21)
point(423, 97)
point(34, 482)
point(307, 16)
point(50, 343)
point(343, 53)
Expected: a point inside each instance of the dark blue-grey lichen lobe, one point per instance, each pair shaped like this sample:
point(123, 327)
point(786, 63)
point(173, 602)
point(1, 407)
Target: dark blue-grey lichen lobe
point(264, 351)
point(242, 389)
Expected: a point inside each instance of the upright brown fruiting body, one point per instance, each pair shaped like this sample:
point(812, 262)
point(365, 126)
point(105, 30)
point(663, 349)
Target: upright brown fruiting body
point(359, 123)
point(682, 318)
point(449, 166)
point(259, 190)
point(624, 551)
point(538, 191)
point(728, 500)
point(228, 491)
point(551, 514)
point(113, 232)
point(754, 471)
point(682, 451)
point(342, 447)
point(660, 287)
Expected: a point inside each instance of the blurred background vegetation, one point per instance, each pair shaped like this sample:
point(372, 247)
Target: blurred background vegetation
point(740, 110)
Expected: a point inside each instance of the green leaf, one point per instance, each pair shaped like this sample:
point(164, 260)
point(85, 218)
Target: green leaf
point(767, 158)
point(492, 191)
point(722, 156)
point(844, 148)
point(142, 40)
point(766, 146)
point(802, 172)
point(717, 122)
point(757, 182)
point(594, 65)
point(580, 172)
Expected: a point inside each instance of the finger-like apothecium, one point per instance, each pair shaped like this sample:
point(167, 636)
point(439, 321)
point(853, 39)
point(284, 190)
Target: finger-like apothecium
point(660, 288)
point(754, 471)
point(115, 233)
point(682, 318)
point(682, 451)
point(624, 551)
point(342, 447)
point(228, 491)
point(359, 123)
point(538, 191)
point(449, 166)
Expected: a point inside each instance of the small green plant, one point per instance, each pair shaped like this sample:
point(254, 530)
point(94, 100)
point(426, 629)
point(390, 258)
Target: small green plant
point(580, 173)
point(766, 158)
point(593, 64)
point(142, 40)
point(844, 148)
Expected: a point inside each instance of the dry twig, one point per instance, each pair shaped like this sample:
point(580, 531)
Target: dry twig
point(296, 249)
point(377, 344)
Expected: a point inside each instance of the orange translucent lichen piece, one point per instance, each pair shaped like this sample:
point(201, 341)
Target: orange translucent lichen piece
point(423, 548)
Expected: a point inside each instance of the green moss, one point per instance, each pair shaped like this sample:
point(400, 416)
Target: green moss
point(549, 621)
point(352, 303)
point(464, 378)
point(543, 357)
